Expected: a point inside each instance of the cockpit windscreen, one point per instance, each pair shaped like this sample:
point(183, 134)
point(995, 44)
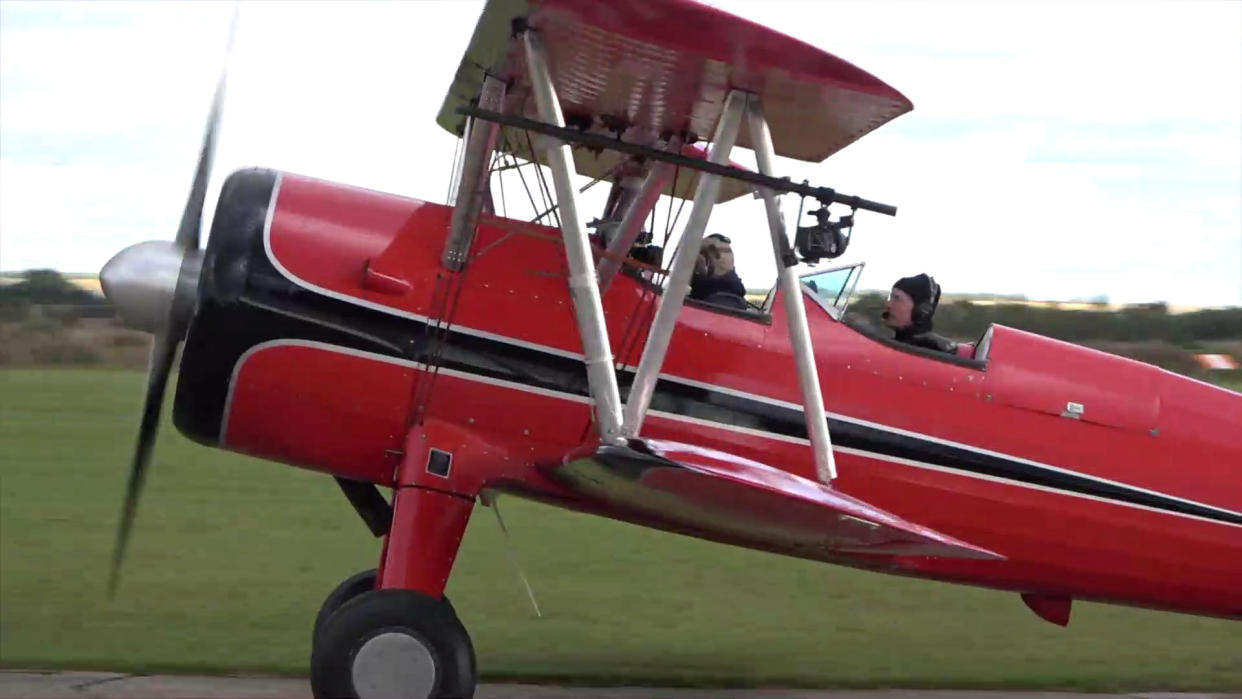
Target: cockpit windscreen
point(833, 288)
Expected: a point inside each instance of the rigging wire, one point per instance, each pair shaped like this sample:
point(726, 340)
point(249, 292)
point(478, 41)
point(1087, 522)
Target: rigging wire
point(668, 217)
point(651, 215)
point(509, 552)
point(677, 216)
point(500, 180)
point(516, 166)
point(544, 190)
point(549, 197)
point(629, 336)
point(708, 150)
point(446, 294)
point(546, 211)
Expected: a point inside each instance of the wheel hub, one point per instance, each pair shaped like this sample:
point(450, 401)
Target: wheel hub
point(393, 664)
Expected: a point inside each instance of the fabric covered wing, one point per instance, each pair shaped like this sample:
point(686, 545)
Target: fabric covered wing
point(724, 497)
point(666, 67)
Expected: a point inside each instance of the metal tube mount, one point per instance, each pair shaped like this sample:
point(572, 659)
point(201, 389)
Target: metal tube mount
point(632, 222)
point(795, 310)
point(480, 144)
point(583, 287)
point(826, 195)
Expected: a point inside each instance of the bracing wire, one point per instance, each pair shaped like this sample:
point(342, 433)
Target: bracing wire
point(530, 593)
point(445, 297)
point(544, 190)
point(668, 217)
point(549, 197)
point(500, 181)
point(521, 176)
point(677, 216)
point(651, 216)
point(708, 150)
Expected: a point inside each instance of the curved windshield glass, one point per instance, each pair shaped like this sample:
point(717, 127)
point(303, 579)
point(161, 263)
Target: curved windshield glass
point(832, 288)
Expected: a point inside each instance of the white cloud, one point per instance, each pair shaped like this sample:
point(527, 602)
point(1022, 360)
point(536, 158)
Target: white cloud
point(1057, 150)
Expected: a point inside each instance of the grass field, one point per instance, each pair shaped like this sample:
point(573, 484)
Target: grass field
point(1231, 379)
point(232, 557)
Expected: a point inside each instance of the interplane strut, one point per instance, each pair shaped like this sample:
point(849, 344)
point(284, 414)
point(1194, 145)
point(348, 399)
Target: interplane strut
point(795, 310)
point(679, 278)
point(480, 143)
point(586, 285)
point(583, 284)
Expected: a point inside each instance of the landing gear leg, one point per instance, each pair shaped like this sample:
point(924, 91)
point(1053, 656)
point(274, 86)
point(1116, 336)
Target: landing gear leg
point(403, 639)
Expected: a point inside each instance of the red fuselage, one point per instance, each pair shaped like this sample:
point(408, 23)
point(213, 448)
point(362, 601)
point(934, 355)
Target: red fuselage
point(327, 327)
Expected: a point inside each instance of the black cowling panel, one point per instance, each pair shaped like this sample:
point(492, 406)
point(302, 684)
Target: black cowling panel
point(244, 301)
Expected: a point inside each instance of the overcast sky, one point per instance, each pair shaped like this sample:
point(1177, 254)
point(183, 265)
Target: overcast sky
point(1057, 149)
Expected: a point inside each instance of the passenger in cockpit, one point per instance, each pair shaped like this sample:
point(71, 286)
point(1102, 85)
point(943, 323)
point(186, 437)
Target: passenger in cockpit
point(715, 280)
point(909, 311)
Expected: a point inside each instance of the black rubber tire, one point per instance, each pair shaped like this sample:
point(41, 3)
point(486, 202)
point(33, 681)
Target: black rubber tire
point(351, 587)
point(430, 620)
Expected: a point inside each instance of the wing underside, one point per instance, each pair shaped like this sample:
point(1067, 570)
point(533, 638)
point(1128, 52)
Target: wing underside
point(643, 70)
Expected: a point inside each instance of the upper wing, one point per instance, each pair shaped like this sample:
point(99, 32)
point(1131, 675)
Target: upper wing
point(725, 497)
point(667, 67)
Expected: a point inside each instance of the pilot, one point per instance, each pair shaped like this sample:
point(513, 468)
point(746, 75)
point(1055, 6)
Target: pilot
point(715, 281)
point(909, 311)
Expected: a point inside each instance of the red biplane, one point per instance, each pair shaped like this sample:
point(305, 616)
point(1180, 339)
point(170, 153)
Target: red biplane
point(446, 353)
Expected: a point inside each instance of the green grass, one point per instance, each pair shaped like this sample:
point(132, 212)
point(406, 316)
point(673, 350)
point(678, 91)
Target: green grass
point(1228, 379)
point(232, 557)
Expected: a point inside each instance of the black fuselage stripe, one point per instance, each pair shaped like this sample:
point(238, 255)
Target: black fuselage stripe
point(568, 375)
point(247, 301)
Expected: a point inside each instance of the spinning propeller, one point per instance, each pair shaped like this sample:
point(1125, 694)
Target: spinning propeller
point(154, 287)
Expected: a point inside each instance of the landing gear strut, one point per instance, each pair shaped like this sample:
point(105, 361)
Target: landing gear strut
point(392, 634)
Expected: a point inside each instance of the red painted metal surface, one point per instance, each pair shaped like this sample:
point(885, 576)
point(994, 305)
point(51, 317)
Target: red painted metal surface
point(1055, 610)
point(1141, 427)
point(317, 407)
point(427, 527)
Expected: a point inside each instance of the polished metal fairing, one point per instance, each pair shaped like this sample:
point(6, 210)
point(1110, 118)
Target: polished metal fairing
point(153, 285)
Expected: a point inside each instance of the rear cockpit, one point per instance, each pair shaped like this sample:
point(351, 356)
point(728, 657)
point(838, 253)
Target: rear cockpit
point(832, 289)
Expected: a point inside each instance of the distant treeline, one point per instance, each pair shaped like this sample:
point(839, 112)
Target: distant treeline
point(45, 287)
point(47, 293)
point(964, 320)
point(961, 320)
